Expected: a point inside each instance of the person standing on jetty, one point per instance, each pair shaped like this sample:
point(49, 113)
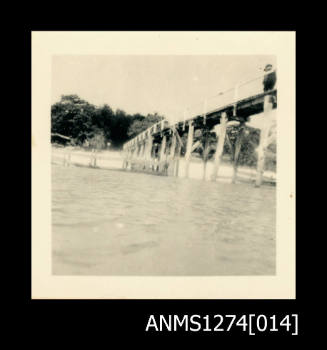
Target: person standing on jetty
point(269, 79)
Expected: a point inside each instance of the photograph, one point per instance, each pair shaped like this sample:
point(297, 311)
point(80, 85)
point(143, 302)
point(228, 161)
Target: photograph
point(163, 165)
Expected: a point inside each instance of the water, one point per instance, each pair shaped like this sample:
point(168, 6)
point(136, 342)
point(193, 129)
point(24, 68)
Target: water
point(121, 223)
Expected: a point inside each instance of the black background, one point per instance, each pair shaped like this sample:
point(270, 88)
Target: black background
point(88, 321)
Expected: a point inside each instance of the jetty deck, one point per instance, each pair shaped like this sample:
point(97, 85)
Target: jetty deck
point(159, 148)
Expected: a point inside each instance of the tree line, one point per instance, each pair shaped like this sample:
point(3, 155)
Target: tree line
point(86, 123)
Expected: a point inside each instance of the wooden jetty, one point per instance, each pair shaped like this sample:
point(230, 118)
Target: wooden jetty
point(159, 149)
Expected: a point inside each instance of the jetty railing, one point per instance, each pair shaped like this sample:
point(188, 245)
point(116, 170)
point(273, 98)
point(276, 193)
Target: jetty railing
point(229, 97)
point(222, 108)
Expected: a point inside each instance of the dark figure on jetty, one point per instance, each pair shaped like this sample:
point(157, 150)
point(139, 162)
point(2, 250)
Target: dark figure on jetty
point(269, 80)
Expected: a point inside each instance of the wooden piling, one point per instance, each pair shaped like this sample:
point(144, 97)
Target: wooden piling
point(172, 147)
point(67, 157)
point(94, 160)
point(178, 155)
point(134, 151)
point(129, 157)
point(220, 145)
point(205, 153)
point(264, 131)
point(148, 152)
point(141, 150)
point(125, 159)
point(178, 138)
point(237, 149)
point(189, 148)
point(163, 155)
point(91, 159)
point(163, 148)
point(131, 154)
point(171, 169)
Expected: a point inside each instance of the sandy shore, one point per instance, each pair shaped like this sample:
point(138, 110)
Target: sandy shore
point(113, 160)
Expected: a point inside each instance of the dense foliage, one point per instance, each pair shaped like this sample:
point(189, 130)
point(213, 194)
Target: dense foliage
point(96, 126)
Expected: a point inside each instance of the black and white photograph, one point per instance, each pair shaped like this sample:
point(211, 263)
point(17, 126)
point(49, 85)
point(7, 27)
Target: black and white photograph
point(166, 165)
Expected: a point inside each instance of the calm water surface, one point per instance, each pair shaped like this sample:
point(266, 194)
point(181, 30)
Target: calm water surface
point(120, 223)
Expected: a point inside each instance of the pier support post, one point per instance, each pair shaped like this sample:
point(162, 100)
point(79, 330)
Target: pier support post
point(141, 150)
point(178, 155)
point(95, 159)
point(220, 145)
point(92, 163)
point(189, 148)
point(127, 160)
point(264, 131)
point(163, 148)
point(163, 156)
point(237, 150)
point(171, 168)
point(148, 153)
point(172, 147)
point(205, 155)
point(67, 157)
point(132, 153)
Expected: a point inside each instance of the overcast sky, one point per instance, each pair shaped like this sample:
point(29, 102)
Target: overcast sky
point(148, 84)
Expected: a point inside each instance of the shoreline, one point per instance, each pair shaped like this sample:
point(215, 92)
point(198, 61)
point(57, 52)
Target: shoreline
point(113, 160)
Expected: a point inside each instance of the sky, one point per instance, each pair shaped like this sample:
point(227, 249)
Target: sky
point(148, 84)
